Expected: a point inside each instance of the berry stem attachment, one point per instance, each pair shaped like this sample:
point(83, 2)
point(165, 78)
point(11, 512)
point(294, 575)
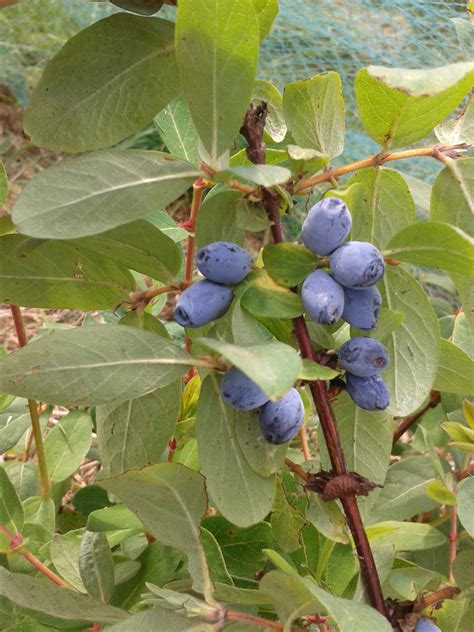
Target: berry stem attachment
point(33, 407)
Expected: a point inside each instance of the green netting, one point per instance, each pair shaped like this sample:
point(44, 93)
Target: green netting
point(309, 36)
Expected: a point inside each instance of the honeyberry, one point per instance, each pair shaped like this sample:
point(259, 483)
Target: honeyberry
point(357, 265)
point(240, 392)
point(369, 393)
point(280, 421)
point(363, 356)
point(223, 262)
point(361, 307)
point(202, 303)
point(425, 625)
point(326, 226)
point(322, 297)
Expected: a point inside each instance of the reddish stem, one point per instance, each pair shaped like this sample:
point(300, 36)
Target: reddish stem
point(250, 618)
point(453, 541)
point(408, 421)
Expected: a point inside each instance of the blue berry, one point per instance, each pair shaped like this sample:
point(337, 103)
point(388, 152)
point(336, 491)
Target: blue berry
point(223, 262)
point(369, 393)
point(357, 264)
point(425, 625)
point(201, 303)
point(280, 421)
point(326, 226)
point(240, 392)
point(322, 297)
point(361, 307)
point(363, 356)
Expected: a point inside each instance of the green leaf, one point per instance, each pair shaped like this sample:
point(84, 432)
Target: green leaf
point(388, 321)
point(413, 347)
point(404, 490)
point(100, 88)
point(286, 522)
point(463, 569)
point(12, 431)
point(177, 130)
point(314, 371)
point(99, 191)
point(452, 195)
point(64, 551)
point(40, 510)
point(217, 219)
point(273, 366)
point(405, 536)
point(455, 370)
point(215, 559)
point(167, 225)
point(59, 275)
point(67, 444)
point(240, 494)
point(383, 205)
point(11, 509)
point(96, 566)
point(264, 175)
point(264, 91)
point(399, 106)
point(461, 334)
point(465, 498)
point(242, 548)
point(93, 365)
point(366, 439)
point(160, 619)
point(39, 595)
point(3, 185)
point(440, 493)
point(263, 457)
point(288, 264)
point(217, 47)
point(314, 113)
point(143, 7)
point(138, 246)
point(327, 518)
point(294, 596)
point(465, 32)
point(272, 157)
point(112, 518)
point(459, 129)
point(170, 500)
point(266, 299)
point(303, 160)
point(266, 11)
point(251, 216)
point(435, 245)
point(136, 433)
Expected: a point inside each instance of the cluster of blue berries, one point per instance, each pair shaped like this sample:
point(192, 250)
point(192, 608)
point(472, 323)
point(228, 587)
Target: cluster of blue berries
point(347, 292)
point(279, 421)
point(222, 263)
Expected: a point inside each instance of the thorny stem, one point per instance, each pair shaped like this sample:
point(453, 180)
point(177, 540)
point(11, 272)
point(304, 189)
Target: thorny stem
point(33, 407)
point(408, 421)
point(15, 541)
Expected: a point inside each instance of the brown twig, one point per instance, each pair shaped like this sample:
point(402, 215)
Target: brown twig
point(33, 407)
point(433, 400)
point(252, 131)
point(232, 615)
point(436, 597)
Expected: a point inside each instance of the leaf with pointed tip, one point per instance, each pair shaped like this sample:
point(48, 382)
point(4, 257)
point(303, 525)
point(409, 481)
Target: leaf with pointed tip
point(93, 365)
point(405, 536)
point(99, 191)
point(399, 106)
point(106, 83)
point(240, 494)
point(67, 444)
point(59, 275)
point(11, 509)
point(64, 550)
point(170, 500)
point(452, 195)
point(217, 47)
point(455, 370)
point(288, 264)
point(177, 130)
point(96, 566)
point(265, 91)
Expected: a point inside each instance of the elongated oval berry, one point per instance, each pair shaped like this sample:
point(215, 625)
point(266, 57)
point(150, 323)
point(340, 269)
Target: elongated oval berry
point(363, 356)
point(370, 393)
point(240, 392)
point(280, 421)
point(326, 226)
point(362, 307)
point(201, 303)
point(357, 264)
point(425, 625)
point(223, 262)
point(322, 297)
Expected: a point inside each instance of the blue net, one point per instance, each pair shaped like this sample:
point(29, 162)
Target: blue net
point(309, 36)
